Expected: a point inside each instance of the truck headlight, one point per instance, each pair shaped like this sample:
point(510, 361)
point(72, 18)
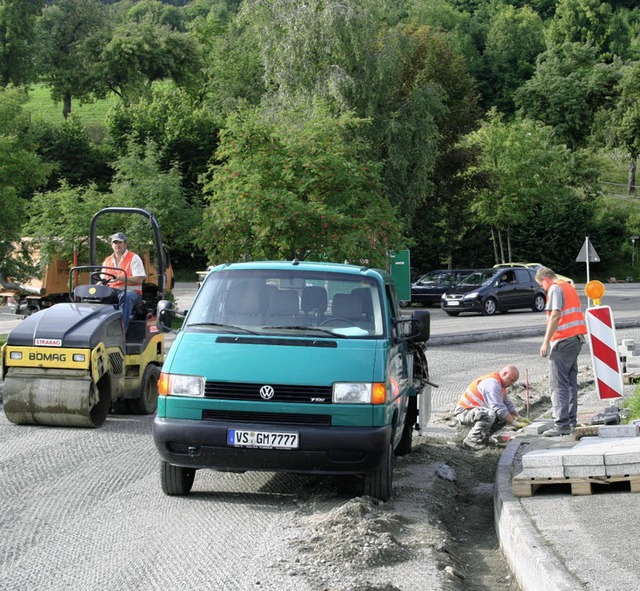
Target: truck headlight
point(359, 393)
point(178, 385)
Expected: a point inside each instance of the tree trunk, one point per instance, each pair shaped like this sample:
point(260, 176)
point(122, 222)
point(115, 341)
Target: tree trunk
point(631, 179)
point(66, 105)
point(495, 246)
point(510, 257)
point(501, 246)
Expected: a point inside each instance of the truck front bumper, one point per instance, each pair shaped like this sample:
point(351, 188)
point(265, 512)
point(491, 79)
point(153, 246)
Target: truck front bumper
point(322, 450)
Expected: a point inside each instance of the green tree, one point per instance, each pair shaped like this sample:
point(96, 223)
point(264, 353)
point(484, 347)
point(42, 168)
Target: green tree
point(233, 75)
point(17, 35)
point(139, 181)
point(569, 86)
point(591, 22)
point(446, 209)
point(74, 157)
point(620, 125)
point(183, 129)
point(61, 218)
point(288, 184)
point(514, 39)
point(158, 13)
point(347, 54)
point(141, 53)
point(526, 170)
point(72, 33)
point(21, 171)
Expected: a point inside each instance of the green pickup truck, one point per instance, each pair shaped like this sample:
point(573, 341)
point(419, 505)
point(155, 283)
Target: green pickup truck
point(293, 367)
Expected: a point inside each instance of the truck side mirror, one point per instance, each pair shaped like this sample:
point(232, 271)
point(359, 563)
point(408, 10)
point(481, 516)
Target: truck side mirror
point(421, 321)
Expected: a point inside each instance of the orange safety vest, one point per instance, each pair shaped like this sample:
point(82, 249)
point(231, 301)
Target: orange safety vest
point(571, 321)
point(125, 264)
point(472, 397)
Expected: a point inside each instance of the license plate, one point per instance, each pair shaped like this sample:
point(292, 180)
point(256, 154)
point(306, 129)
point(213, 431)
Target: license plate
point(453, 303)
point(262, 439)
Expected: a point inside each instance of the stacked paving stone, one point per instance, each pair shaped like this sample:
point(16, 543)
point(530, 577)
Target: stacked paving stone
point(629, 357)
point(614, 454)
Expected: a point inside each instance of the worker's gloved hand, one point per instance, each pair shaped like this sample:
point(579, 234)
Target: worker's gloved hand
point(519, 424)
point(524, 420)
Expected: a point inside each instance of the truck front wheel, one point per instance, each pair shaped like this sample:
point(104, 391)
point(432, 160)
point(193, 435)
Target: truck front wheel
point(176, 480)
point(378, 483)
point(405, 445)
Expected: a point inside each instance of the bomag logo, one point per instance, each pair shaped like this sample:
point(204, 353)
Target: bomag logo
point(61, 357)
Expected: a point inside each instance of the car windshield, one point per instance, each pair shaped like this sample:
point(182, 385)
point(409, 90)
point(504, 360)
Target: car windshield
point(478, 278)
point(435, 278)
point(288, 302)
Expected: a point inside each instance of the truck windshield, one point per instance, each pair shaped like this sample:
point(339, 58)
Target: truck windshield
point(288, 301)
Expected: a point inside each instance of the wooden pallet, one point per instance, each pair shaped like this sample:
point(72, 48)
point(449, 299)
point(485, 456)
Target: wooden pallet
point(525, 487)
point(631, 378)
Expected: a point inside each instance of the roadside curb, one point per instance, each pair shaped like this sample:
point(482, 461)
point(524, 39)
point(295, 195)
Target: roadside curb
point(456, 339)
point(533, 562)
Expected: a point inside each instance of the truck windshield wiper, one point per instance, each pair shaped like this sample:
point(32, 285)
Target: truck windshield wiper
point(306, 328)
point(229, 327)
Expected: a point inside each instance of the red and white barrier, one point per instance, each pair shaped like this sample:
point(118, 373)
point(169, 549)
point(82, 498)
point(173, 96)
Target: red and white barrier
point(604, 352)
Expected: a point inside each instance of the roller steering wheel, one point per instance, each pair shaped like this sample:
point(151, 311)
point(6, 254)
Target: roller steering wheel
point(97, 276)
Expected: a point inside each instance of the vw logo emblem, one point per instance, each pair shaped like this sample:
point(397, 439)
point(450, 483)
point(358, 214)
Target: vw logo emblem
point(266, 392)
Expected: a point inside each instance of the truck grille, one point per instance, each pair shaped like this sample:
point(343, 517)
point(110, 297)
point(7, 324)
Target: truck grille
point(265, 417)
point(281, 392)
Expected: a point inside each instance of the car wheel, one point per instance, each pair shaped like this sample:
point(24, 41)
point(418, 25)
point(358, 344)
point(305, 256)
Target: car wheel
point(489, 308)
point(176, 480)
point(451, 313)
point(539, 303)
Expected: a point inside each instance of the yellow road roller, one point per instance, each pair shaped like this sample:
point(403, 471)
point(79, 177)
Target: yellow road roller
point(71, 364)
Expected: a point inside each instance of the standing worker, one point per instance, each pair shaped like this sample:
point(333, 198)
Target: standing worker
point(486, 406)
point(133, 267)
point(562, 342)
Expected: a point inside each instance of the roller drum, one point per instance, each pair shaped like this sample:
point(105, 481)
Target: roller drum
point(56, 398)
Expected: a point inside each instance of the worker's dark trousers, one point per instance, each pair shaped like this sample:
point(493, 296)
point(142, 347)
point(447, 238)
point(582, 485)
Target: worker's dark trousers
point(483, 420)
point(563, 381)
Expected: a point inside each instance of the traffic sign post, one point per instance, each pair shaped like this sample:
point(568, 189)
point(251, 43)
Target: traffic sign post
point(587, 255)
point(604, 345)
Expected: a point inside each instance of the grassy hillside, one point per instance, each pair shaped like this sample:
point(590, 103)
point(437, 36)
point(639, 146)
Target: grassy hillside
point(91, 115)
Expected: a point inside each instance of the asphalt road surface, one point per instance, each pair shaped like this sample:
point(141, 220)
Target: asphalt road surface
point(82, 509)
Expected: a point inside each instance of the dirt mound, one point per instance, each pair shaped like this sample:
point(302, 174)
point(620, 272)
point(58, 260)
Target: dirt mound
point(357, 534)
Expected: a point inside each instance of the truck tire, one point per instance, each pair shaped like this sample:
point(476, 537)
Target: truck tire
point(176, 480)
point(147, 402)
point(378, 483)
point(405, 445)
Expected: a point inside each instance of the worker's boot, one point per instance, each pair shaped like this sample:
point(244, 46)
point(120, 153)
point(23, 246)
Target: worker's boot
point(473, 444)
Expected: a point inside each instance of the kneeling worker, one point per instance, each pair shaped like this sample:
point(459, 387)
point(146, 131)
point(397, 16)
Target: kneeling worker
point(486, 406)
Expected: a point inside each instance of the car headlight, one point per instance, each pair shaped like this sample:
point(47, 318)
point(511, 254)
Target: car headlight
point(443, 296)
point(471, 296)
point(359, 393)
point(178, 385)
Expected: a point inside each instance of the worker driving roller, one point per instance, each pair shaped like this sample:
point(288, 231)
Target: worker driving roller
point(133, 267)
